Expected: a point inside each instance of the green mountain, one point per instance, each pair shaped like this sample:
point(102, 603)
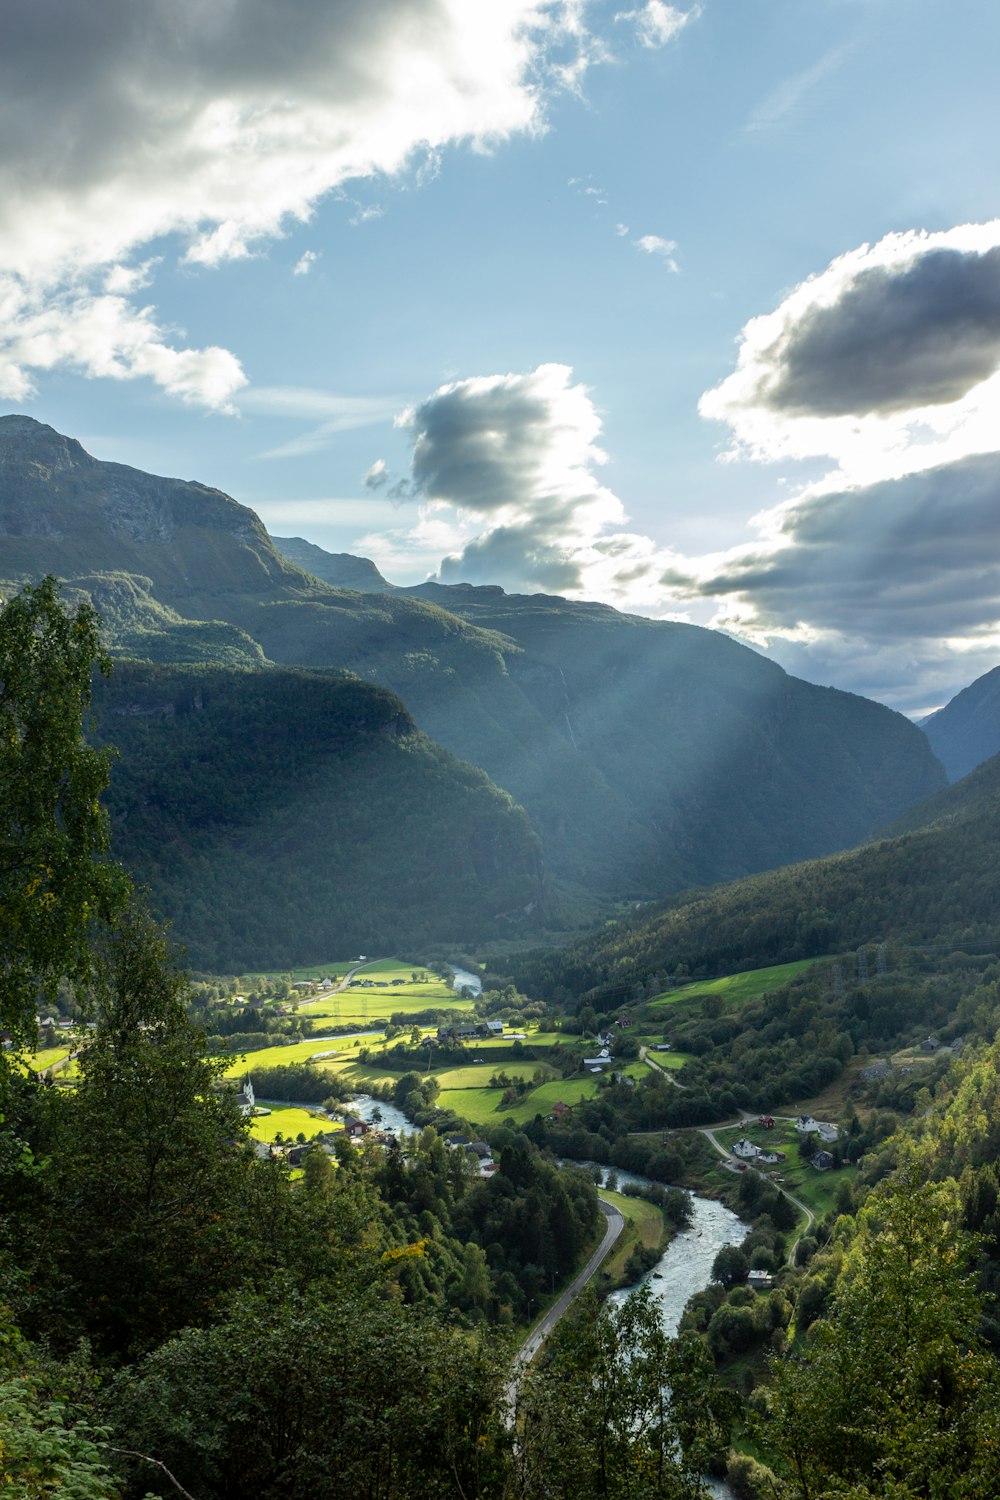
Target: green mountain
point(933, 879)
point(282, 816)
point(967, 730)
point(649, 755)
point(340, 569)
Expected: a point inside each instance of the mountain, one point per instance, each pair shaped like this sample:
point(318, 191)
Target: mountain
point(649, 755)
point(967, 730)
point(281, 817)
point(934, 879)
point(340, 569)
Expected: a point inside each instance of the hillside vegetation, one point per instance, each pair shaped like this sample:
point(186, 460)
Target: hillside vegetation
point(279, 815)
point(935, 882)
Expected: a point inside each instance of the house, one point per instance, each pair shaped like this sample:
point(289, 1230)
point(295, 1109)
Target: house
point(930, 1044)
point(354, 1127)
point(561, 1111)
point(822, 1161)
point(481, 1149)
point(806, 1125)
point(760, 1281)
point(745, 1148)
point(662, 1047)
point(595, 1064)
point(771, 1157)
point(494, 1028)
point(767, 1121)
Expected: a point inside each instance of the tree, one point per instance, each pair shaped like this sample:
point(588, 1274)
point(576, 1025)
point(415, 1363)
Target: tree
point(897, 1395)
point(618, 1409)
point(55, 882)
point(145, 1228)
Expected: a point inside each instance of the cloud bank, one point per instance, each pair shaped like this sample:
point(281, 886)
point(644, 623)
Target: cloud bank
point(883, 576)
point(222, 123)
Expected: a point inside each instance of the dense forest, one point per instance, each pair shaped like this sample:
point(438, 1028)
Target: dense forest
point(279, 815)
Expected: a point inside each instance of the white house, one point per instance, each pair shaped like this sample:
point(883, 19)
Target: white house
point(745, 1148)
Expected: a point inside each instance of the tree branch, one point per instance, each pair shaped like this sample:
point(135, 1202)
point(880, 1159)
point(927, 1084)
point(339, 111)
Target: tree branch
point(130, 1453)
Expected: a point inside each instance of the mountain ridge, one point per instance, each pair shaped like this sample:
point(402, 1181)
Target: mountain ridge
point(649, 755)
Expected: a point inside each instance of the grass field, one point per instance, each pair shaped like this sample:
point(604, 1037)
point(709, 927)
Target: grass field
point(287, 1121)
point(44, 1058)
point(735, 988)
point(298, 1052)
point(643, 1226)
point(672, 1061)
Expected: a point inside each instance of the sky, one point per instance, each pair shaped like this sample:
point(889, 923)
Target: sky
point(691, 309)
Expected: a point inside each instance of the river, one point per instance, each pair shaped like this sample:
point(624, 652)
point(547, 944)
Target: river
point(463, 979)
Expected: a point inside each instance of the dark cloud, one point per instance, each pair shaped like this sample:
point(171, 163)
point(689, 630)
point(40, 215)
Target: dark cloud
point(483, 444)
point(895, 338)
point(907, 560)
point(516, 557)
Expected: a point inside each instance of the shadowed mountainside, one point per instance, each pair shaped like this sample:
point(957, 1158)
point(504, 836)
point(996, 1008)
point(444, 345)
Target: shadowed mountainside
point(935, 879)
point(279, 817)
point(967, 730)
point(649, 755)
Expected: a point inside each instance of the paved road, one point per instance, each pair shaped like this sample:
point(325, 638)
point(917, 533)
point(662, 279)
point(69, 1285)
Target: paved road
point(542, 1329)
point(723, 1151)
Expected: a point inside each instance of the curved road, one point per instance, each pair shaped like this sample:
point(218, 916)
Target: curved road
point(709, 1132)
point(545, 1325)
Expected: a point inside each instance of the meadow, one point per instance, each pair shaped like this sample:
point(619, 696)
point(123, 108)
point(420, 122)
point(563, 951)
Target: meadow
point(735, 988)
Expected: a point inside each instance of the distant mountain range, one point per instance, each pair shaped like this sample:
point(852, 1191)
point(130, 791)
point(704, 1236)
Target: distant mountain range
point(967, 730)
point(932, 879)
point(649, 756)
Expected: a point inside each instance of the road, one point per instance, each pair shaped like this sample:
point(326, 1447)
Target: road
point(651, 1062)
point(545, 1325)
point(723, 1151)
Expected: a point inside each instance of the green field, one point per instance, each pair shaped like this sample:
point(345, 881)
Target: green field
point(672, 1061)
point(735, 988)
point(298, 1052)
point(38, 1061)
point(289, 1122)
point(478, 1077)
point(643, 1226)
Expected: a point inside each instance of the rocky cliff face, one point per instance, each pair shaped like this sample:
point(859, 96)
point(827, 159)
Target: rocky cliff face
point(106, 517)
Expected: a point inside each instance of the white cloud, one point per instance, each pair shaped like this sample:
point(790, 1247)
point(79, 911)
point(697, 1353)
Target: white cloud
point(305, 263)
point(337, 414)
point(104, 336)
point(223, 123)
point(506, 468)
point(654, 244)
point(786, 98)
point(657, 23)
point(886, 362)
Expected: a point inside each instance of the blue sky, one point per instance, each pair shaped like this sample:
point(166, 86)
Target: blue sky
point(467, 289)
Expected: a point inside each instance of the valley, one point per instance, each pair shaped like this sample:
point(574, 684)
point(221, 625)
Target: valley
point(752, 1068)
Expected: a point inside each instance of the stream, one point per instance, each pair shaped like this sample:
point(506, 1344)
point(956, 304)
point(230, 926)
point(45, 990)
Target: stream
point(464, 979)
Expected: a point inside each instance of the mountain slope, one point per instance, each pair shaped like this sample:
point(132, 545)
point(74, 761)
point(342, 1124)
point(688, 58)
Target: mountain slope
point(281, 817)
point(967, 730)
point(936, 880)
point(649, 755)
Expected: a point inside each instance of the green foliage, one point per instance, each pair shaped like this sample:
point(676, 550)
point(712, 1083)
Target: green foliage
point(54, 883)
point(896, 1394)
point(328, 1396)
point(276, 815)
point(616, 1409)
